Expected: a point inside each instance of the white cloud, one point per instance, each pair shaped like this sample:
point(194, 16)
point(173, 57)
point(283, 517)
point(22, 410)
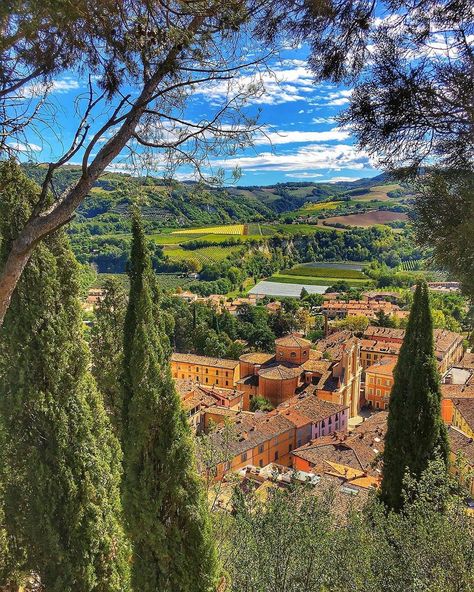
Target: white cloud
point(339, 179)
point(282, 85)
point(323, 120)
point(60, 86)
point(30, 147)
point(333, 99)
point(294, 136)
point(312, 157)
point(304, 175)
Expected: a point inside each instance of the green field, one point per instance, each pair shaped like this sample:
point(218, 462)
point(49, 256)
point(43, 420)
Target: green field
point(205, 255)
point(379, 192)
point(312, 281)
point(324, 272)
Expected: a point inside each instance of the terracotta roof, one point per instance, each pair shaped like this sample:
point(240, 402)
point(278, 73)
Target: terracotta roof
point(383, 367)
point(460, 443)
point(444, 340)
point(320, 366)
point(311, 407)
point(204, 361)
point(467, 361)
point(329, 449)
point(465, 407)
point(280, 372)
point(251, 430)
point(380, 346)
point(292, 340)
point(385, 332)
point(256, 358)
point(457, 391)
point(334, 344)
point(184, 387)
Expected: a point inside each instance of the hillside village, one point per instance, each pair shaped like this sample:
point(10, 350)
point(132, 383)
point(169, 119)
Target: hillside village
point(236, 296)
point(326, 397)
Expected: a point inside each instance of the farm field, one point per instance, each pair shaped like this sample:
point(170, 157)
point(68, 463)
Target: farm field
point(274, 288)
point(378, 192)
point(231, 229)
point(368, 218)
point(336, 265)
point(205, 255)
point(324, 272)
point(327, 280)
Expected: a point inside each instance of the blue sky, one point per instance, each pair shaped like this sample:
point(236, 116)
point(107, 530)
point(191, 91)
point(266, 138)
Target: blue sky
point(302, 141)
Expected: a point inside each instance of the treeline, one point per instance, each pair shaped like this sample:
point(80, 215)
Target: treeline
point(277, 253)
point(198, 328)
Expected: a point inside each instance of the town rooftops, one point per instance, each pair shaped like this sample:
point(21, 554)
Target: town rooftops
point(280, 372)
point(467, 361)
point(250, 430)
point(292, 340)
point(311, 407)
point(457, 391)
point(372, 345)
point(256, 358)
point(334, 344)
point(318, 366)
point(460, 443)
point(204, 361)
point(357, 450)
point(465, 407)
point(373, 332)
point(383, 367)
point(444, 340)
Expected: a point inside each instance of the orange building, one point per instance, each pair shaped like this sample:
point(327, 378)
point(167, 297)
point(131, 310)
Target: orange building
point(379, 382)
point(462, 457)
point(382, 342)
point(205, 370)
point(296, 368)
point(292, 349)
point(351, 456)
point(259, 439)
point(198, 399)
point(339, 309)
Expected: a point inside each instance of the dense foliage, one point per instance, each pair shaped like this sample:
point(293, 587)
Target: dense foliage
point(60, 462)
point(310, 539)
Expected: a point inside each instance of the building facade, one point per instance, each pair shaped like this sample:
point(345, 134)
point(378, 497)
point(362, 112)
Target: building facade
point(205, 370)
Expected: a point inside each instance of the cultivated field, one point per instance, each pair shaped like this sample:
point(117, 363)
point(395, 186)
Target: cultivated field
point(205, 255)
point(231, 229)
point(367, 219)
point(324, 272)
point(327, 280)
point(378, 192)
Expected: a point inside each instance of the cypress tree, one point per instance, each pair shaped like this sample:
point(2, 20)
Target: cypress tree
point(166, 510)
point(107, 348)
point(60, 463)
point(415, 431)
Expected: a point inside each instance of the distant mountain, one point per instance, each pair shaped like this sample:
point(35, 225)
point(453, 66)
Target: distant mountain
point(191, 204)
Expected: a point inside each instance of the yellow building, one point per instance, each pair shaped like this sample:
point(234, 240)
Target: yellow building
point(205, 370)
point(379, 382)
point(462, 457)
point(463, 416)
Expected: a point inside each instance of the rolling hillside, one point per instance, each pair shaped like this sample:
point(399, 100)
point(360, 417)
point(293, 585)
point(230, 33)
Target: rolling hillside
point(190, 204)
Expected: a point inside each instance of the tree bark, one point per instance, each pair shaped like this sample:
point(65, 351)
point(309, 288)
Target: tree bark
point(41, 225)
